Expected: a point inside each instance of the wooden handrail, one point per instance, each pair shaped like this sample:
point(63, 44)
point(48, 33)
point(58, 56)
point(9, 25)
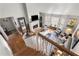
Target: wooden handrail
point(58, 46)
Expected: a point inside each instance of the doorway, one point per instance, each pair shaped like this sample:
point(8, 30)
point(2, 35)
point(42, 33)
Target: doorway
point(7, 25)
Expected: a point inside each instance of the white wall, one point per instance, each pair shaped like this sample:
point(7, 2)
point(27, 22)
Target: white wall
point(3, 33)
point(53, 8)
point(4, 48)
point(11, 9)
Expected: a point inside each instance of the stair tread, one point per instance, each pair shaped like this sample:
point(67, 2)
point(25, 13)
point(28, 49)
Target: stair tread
point(28, 52)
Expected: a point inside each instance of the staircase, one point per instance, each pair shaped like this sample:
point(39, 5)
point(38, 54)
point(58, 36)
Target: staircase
point(19, 48)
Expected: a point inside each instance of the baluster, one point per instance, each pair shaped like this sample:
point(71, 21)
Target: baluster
point(32, 39)
point(51, 48)
point(43, 46)
point(31, 42)
point(39, 42)
point(46, 44)
point(35, 43)
point(37, 37)
point(48, 49)
point(40, 45)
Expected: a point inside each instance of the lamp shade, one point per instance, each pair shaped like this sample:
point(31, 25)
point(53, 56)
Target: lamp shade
point(78, 34)
point(68, 31)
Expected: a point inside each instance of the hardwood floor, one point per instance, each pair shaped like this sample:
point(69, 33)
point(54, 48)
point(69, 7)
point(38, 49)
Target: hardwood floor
point(19, 48)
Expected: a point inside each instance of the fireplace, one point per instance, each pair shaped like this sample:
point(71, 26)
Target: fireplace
point(35, 26)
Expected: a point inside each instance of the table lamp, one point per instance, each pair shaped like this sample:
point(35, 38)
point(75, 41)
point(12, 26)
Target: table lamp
point(78, 34)
point(68, 31)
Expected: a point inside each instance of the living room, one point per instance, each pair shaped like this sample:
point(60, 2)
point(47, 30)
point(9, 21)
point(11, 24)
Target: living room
point(22, 24)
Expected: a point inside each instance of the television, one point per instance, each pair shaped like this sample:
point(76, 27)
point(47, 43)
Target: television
point(34, 17)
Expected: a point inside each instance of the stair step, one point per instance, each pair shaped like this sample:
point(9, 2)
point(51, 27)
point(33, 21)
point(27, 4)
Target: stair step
point(28, 52)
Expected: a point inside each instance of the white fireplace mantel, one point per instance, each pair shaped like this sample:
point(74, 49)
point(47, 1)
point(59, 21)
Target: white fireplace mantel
point(33, 23)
